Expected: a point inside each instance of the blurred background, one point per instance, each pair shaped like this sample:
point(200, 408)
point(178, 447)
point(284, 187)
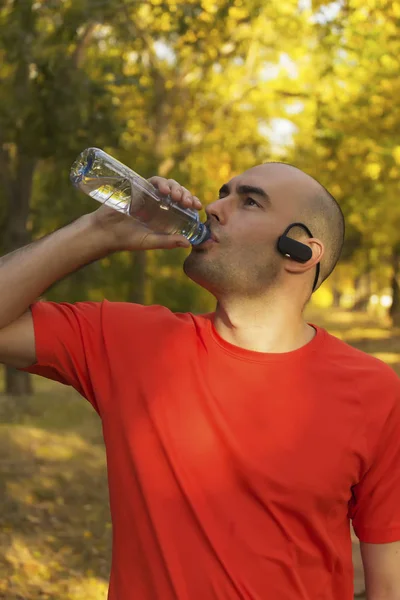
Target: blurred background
point(198, 91)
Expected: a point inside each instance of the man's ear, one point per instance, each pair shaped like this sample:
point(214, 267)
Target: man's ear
point(317, 252)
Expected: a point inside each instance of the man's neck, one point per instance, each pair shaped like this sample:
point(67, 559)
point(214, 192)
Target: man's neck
point(262, 326)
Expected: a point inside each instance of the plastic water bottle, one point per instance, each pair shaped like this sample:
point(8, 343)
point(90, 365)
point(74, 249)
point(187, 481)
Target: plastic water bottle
point(110, 182)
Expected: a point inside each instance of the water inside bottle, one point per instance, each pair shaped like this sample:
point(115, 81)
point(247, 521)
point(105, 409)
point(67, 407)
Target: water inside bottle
point(161, 215)
point(113, 191)
point(153, 210)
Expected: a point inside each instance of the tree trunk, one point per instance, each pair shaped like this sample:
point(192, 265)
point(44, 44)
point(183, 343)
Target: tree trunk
point(138, 289)
point(18, 383)
point(337, 295)
point(394, 311)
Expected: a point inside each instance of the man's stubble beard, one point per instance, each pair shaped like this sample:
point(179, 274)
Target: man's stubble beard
point(234, 273)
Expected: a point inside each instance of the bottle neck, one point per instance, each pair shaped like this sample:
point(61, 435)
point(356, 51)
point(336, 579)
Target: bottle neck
point(204, 234)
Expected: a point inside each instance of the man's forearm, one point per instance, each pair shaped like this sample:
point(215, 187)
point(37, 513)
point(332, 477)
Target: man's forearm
point(28, 272)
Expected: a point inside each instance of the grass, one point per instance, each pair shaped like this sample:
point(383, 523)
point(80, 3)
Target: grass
point(55, 530)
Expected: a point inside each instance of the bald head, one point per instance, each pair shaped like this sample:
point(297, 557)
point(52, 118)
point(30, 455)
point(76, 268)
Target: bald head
point(305, 200)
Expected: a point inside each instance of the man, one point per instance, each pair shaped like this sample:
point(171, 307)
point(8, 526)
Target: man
point(239, 443)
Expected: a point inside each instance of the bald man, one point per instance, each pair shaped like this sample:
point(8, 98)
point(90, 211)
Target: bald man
point(239, 443)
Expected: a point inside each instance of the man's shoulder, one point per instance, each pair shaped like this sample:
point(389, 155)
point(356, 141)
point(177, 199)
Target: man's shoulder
point(153, 314)
point(368, 364)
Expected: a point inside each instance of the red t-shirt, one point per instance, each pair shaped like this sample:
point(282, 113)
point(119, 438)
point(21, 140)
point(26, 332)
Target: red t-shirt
point(232, 473)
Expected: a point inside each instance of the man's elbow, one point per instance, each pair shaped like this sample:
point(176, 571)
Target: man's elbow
point(384, 594)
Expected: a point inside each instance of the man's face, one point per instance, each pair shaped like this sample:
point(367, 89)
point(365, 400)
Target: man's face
point(252, 211)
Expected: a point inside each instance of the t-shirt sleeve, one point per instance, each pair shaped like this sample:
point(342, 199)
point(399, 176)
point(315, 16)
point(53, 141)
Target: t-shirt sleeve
point(375, 506)
point(69, 344)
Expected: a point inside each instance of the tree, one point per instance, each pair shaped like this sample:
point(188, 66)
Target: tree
point(346, 125)
point(192, 85)
point(185, 90)
point(46, 109)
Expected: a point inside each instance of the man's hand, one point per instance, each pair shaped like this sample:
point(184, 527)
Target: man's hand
point(125, 233)
point(26, 273)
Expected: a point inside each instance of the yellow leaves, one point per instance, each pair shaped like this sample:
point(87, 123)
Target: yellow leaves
point(322, 151)
point(41, 537)
point(372, 170)
point(145, 81)
point(165, 271)
point(375, 99)
point(164, 22)
point(86, 588)
point(323, 297)
point(390, 121)
point(145, 13)
point(395, 6)
point(237, 12)
point(396, 154)
point(360, 16)
point(212, 52)
point(54, 453)
point(224, 172)
point(377, 111)
point(386, 85)
point(209, 6)
point(206, 17)
point(22, 558)
point(389, 62)
point(189, 37)
point(336, 190)
point(172, 7)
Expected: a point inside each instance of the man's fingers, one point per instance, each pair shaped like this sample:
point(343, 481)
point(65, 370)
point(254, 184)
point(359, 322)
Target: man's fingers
point(197, 203)
point(161, 184)
point(177, 192)
point(184, 196)
point(154, 241)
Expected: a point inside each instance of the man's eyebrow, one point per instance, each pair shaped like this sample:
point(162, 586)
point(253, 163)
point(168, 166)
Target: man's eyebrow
point(224, 189)
point(246, 189)
point(251, 189)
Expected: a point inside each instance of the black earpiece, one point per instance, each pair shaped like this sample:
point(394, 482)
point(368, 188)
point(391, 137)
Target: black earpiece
point(296, 250)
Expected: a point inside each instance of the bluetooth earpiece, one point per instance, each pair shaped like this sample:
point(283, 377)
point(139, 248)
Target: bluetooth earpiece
point(296, 250)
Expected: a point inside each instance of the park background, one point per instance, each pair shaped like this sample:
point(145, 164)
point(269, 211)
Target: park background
point(197, 91)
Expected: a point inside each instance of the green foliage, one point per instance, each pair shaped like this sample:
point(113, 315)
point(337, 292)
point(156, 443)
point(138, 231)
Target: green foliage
point(169, 88)
point(348, 126)
point(191, 90)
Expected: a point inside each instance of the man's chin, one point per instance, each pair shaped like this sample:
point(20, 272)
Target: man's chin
point(196, 270)
point(190, 265)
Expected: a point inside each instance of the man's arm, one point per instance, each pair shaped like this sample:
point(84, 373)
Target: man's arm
point(382, 570)
point(27, 273)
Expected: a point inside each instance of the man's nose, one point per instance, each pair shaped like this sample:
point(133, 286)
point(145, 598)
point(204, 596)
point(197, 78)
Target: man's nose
point(219, 210)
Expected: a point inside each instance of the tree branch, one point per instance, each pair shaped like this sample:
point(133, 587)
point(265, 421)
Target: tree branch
point(5, 168)
point(82, 44)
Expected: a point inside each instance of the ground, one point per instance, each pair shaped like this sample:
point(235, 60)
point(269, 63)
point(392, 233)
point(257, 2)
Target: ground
point(55, 531)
